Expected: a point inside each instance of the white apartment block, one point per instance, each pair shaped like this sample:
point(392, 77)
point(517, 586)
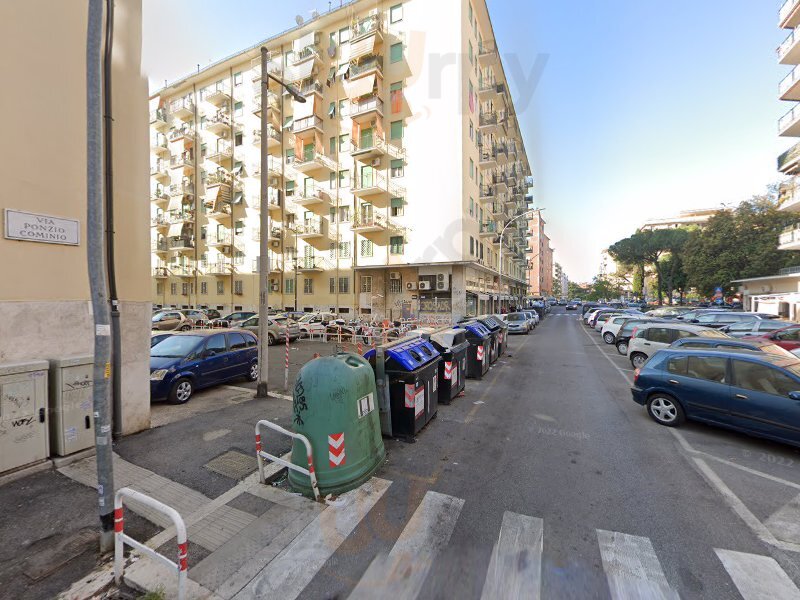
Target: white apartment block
point(388, 186)
point(789, 124)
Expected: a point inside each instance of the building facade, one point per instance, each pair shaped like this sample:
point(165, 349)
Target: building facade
point(540, 261)
point(388, 186)
point(46, 312)
point(687, 218)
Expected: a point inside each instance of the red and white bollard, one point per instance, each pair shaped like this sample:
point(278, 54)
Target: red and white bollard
point(286, 367)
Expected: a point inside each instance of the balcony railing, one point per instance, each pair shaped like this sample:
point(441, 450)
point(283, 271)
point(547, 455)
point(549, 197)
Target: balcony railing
point(788, 44)
point(487, 119)
point(305, 54)
point(222, 151)
point(789, 271)
point(185, 159)
point(219, 239)
point(366, 105)
point(488, 155)
point(787, 8)
point(313, 160)
point(181, 106)
point(306, 123)
point(159, 245)
point(218, 267)
point(311, 87)
point(366, 65)
point(487, 50)
point(219, 177)
point(217, 92)
point(365, 27)
point(159, 168)
point(311, 227)
point(181, 242)
point(158, 116)
point(789, 81)
point(272, 133)
point(488, 227)
point(790, 235)
point(222, 118)
point(369, 220)
point(181, 189)
point(789, 119)
point(176, 134)
point(486, 191)
point(159, 194)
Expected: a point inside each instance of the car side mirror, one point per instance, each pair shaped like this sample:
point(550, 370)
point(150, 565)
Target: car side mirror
point(794, 396)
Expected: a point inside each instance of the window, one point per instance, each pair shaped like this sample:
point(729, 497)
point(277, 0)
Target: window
point(216, 344)
point(237, 78)
point(396, 96)
point(289, 156)
point(332, 147)
point(770, 325)
point(709, 368)
point(344, 214)
point(308, 286)
point(287, 121)
point(470, 13)
point(481, 254)
point(366, 284)
point(791, 335)
point(659, 335)
point(367, 248)
point(763, 378)
point(397, 207)
point(344, 35)
point(238, 287)
point(332, 181)
point(396, 244)
point(396, 13)
point(344, 249)
point(344, 285)
point(343, 141)
point(238, 227)
point(396, 130)
point(238, 139)
point(397, 168)
point(470, 53)
point(395, 286)
point(343, 108)
point(332, 39)
point(396, 52)
point(471, 245)
point(204, 288)
point(471, 169)
point(173, 289)
point(220, 288)
point(742, 326)
point(677, 366)
point(681, 333)
point(332, 285)
point(237, 341)
point(288, 286)
point(238, 109)
point(471, 131)
point(344, 179)
point(289, 189)
point(471, 207)
point(159, 288)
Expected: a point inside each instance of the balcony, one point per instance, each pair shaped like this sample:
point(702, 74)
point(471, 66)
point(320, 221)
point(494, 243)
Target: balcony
point(311, 229)
point(487, 122)
point(182, 108)
point(373, 183)
point(488, 229)
point(219, 238)
point(181, 243)
point(184, 160)
point(366, 109)
point(160, 272)
point(184, 217)
point(790, 238)
point(311, 86)
point(274, 167)
point(218, 210)
point(159, 145)
point(497, 210)
point(273, 100)
point(486, 193)
point(312, 197)
point(181, 189)
point(218, 268)
point(512, 150)
point(500, 183)
point(312, 264)
point(218, 93)
point(789, 87)
point(307, 124)
point(364, 28)
point(789, 51)
point(158, 118)
point(312, 162)
point(789, 196)
point(369, 222)
point(273, 138)
point(487, 53)
point(182, 269)
point(273, 66)
point(218, 122)
point(158, 170)
point(275, 235)
point(789, 124)
point(370, 65)
point(310, 52)
point(275, 263)
point(789, 161)
point(488, 157)
point(185, 133)
point(221, 178)
point(221, 154)
point(373, 146)
point(789, 14)
point(159, 194)
point(159, 246)
point(502, 152)
point(488, 90)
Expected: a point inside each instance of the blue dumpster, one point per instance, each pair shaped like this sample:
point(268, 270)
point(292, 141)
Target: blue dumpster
point(491, 322)
point(452, 344)
point(494, 331)
point(480, 340)
point(410, 371)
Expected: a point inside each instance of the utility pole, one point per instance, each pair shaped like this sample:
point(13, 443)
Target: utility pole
point(98, 275)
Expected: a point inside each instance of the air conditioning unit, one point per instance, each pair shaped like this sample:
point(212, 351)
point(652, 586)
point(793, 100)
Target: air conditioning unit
point(376, 162)
point(224, 135)
point(275, 287)
point(425, 285)
point(442, 282)
point(411, 286)
point(276, 244)
point(394, 275)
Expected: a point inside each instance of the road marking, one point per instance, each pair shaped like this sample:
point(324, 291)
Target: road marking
point(758, 577)
point(632, 567)
point(608, 358)
point(293, 569)
point(515, 570)
point(401, 574)
point(784, 523)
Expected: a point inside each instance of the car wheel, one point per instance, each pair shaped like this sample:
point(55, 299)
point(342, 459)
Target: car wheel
point(181, 391)
point(638, 359)
point(271, 340)
point(665, 410)
point(608, 337)
point(252, 374)
point(622, 348)
point(185, 327)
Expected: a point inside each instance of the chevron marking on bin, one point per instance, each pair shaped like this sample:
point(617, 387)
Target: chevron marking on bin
point(480, 353)
point(336, 454)
point(411, 393)
point(448, 370)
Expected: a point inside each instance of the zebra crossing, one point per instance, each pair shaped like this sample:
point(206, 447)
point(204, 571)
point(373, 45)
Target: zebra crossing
point(516, 569)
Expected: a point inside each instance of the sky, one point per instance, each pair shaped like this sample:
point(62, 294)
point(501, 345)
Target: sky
point(630, 109)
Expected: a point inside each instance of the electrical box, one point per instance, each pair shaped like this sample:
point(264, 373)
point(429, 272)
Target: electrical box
point(23, 414)
point(71, 422)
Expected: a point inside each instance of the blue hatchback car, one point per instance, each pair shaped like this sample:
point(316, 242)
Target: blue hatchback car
point(753, 392)
point(185, 362)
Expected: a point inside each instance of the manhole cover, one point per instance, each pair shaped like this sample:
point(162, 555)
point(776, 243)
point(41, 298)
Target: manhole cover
point(233, 464)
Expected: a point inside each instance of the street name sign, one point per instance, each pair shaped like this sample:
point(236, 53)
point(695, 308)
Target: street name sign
point(32, 227)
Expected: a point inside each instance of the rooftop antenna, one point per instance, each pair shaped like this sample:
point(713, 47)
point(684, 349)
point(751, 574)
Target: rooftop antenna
point(314, 14)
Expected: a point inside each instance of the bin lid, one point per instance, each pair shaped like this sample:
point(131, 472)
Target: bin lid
point(409, 355)
point(420, 332)
point(474, 329)
point(490, 322)
point(446, 340)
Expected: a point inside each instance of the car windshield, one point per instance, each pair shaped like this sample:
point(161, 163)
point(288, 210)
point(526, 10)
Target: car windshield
point(176, 346)
point(516, 317)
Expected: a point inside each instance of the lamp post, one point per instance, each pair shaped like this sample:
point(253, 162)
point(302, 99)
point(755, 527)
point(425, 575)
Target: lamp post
point(263, 262)
point(503, 232)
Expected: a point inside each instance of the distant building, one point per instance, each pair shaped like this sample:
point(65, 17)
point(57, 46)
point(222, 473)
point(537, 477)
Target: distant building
point(685, 218)
point(540, 272)
point(560, 281)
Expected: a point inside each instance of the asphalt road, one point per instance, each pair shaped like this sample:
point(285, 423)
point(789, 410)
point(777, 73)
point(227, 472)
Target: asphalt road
point(551, 436)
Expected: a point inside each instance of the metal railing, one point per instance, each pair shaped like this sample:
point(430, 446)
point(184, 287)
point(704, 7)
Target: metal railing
point(487, 119)
point(789, 157)
point(788, 44)
point(219, 177)
point(786, 9)
point(311, 87)
point(790, 235)
point(367, 64)
point(311, 227)
point(220, 267)
point(365, 105)
point(488, 227)
point(315, 158)
point(789, 271)
point(175, 134)
point(363, 219)
point(311, 51)
point(365, 27)
point(181, 189)
point(263, 455)
point(120, 539)
point(221, 117)
point(158, 114)
point(306, 123)
point(181, 104)
point(272, 133)
point(789, 118)
point(184, 159)
point(181, 242)
point(223, 149)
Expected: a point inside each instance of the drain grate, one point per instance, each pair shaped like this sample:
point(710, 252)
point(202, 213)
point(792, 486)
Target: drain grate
point(233, 464)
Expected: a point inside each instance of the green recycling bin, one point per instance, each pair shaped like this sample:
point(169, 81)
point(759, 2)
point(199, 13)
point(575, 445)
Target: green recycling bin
point(335, 407)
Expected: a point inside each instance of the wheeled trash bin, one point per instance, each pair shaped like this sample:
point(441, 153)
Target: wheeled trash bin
point(452, 344)
point(502, 334)
point(479, 340)
point(494, 330)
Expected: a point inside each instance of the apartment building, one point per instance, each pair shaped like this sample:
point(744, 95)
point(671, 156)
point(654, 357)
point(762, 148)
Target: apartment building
point(687, 218)
point(388, 186)
point(45, 308)
point(540, 261)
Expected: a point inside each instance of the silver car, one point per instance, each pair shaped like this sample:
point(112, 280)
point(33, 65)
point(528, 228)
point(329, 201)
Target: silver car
point(518, 323)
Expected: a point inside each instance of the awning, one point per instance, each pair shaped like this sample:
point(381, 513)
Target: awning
point(303, 42)
point(237, 169)
point(304, 109)
point(299, 72)
point(212, 193)
point(237, 198)
point(362, 47)
point(175, 230)
point(359, 87)
point(343, 70)
point(174, 203)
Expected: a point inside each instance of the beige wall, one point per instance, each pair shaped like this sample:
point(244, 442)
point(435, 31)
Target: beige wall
point(44, 290)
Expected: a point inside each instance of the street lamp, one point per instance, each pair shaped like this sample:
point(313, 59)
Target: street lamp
point(502, 233)
point(263, 266)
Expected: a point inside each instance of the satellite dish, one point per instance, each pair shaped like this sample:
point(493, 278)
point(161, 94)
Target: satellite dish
point(299, 20)
point(314, 14)
point(332, 51)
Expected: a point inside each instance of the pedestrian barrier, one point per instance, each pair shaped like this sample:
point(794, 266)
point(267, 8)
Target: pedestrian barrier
point(120, 539)
point(262, 455)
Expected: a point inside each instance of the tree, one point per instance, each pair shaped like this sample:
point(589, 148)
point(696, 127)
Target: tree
point(603, 289)
point(736, 245)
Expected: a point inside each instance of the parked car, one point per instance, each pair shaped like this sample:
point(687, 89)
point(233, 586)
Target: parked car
point(212, 313)
point(314, 323)
point(518, 323)
point(190, 361)
point(626, 331)
point(755, 393)
point(704, 343)
point(158, 336)
point(755, 327)
point(647, 339)
point(603, 317)
point(533, 317)
point(614, 324)
point(615, 311)
point(669, 312)
point(276, 331)
point(198, 318)
point(719, 319)
point(170, 320)
point(788, 337)
point(234, 319)
point(572, 306)
point(291, 326)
